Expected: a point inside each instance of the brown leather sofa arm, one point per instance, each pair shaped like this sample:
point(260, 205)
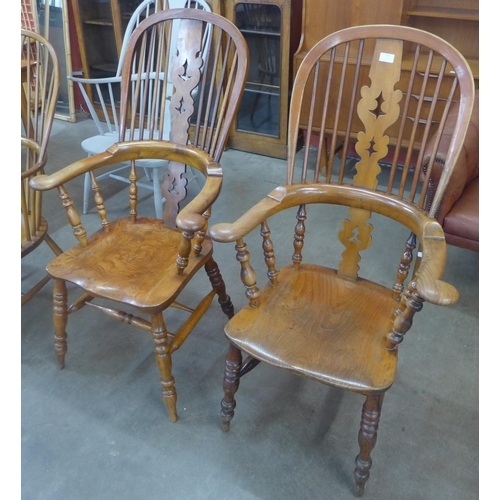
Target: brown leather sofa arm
point(467, 167)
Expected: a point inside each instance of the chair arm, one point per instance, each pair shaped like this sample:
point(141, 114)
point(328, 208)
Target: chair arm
point(35, 147)
point(428, 275)
point(191, 218)
point(285, 197)
point(128, 151)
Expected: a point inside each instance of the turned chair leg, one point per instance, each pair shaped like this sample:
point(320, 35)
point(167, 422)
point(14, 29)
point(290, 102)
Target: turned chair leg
point(164, 362)
point(60, 301)
point(230, 385)
point(212, 270)
point(367, 439)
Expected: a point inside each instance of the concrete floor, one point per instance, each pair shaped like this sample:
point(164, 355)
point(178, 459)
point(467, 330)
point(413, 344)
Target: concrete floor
point(99, 430)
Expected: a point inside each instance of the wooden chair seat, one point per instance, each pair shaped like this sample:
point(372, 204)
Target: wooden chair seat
point(133, 263)
point(339, 341)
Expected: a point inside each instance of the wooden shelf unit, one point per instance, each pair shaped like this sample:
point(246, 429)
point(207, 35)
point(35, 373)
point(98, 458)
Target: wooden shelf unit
point(100, 25)
point(456, 21)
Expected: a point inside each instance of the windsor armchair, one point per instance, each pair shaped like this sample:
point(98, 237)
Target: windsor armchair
point(102, 97)
point(39, 90)
point(333, 325)
point(141, 261)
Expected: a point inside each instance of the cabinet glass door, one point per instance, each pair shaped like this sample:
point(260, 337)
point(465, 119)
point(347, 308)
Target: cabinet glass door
point(261, 25)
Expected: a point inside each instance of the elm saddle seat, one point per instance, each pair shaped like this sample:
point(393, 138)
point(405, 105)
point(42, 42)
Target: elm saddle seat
point(146, 262)
point(333, 325)
point(459, 209)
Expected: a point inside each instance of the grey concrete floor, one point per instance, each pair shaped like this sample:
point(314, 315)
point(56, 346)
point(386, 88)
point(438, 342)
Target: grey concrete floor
point(99, 430)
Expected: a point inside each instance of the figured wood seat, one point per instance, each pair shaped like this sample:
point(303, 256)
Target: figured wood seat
point(342, 325)
point(40, 78)
point(137, 259)
point(144, 263)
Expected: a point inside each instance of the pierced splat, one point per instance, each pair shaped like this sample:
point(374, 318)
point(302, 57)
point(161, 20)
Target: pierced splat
point(186, 74)
point(378, 109)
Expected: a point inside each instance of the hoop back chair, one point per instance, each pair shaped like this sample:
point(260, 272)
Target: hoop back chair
point(140, 261)
point(102, 97)
point(39, 90)
point(333, 325)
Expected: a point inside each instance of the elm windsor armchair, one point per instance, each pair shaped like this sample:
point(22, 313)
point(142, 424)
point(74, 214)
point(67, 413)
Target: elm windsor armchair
point(101, 96)
point(140, 261)
point(39, 90)
point(332, 325)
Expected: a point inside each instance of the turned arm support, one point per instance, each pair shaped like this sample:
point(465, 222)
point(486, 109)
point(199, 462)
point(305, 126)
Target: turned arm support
point(433, 245)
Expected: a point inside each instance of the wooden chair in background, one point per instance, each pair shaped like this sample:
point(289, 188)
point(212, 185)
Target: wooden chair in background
point(102, 97)
point(332, 325)
point(39, 90)
point(145, 262)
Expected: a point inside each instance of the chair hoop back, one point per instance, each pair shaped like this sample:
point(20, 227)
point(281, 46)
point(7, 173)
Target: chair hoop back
point(435, 74)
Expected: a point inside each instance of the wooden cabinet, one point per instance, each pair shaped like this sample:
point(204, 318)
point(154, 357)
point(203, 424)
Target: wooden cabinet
point(100, 25)
point(456, 21)
point(272, 31)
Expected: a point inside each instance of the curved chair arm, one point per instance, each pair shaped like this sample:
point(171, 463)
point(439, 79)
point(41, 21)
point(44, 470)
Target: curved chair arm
point(285, 197)
point(428, 277)
point(191, 217)
point(138, 150)
point(36, 148)
point(128, 151)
